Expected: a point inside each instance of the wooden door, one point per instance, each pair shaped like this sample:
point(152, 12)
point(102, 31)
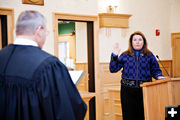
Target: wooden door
point(72, 45)
point(10, 23)
point(85, 18)
point(175, 40)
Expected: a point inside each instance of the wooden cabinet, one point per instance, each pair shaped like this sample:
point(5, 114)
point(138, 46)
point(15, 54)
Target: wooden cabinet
point(175, 40)
point(112, 20)
point(115, 104)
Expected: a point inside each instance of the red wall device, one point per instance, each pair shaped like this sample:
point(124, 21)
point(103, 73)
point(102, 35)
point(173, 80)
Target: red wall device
point(157, 32)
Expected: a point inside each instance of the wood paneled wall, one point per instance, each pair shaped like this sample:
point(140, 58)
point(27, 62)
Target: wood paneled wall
point(168, 65)
point(109, 81)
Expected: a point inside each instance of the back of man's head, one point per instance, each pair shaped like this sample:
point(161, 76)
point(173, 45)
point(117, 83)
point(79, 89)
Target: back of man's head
point(28, 22)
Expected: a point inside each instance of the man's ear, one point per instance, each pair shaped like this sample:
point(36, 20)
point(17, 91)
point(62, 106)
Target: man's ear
point(37, 34)
point(38, 30)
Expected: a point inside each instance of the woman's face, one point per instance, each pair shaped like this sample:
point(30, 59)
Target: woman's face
point(137, 42)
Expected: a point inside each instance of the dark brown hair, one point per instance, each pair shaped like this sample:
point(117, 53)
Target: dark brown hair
point(145, 50)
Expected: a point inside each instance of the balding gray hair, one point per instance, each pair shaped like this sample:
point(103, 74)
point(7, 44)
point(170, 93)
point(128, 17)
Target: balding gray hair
point(28, 22)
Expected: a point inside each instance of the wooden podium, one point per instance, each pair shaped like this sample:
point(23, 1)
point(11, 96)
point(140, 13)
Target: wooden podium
point(158, 94)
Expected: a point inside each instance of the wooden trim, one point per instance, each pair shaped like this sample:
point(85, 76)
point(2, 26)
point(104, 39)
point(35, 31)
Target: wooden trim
point(175, 79)
point(10, 22)
point(115, 15)
point(175, 33)
point(65, 38)
point(55, 26)
point(160, 81)
point(86, 18)
point(114, 89)
point(65, 35)
point(165, 60)
point(75, 17)
point(158, 61)
point(6, 11)
point(87, 95)
point(155, 82)
point(167, 64)
point(81, 63)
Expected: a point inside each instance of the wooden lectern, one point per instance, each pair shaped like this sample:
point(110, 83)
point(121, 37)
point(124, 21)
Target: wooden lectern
point(158, 94)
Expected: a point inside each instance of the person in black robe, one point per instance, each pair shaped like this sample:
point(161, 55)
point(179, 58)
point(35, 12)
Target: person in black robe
point(35, 85)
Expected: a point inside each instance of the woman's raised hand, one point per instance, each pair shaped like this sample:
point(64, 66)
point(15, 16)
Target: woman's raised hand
point(116, 49)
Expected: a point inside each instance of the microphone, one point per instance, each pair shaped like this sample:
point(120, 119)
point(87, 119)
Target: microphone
point(162, 64)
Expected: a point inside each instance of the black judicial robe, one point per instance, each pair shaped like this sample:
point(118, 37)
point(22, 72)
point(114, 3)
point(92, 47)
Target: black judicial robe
point(35, 85)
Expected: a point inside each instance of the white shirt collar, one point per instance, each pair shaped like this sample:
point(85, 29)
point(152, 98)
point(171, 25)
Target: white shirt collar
point(24, 41)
